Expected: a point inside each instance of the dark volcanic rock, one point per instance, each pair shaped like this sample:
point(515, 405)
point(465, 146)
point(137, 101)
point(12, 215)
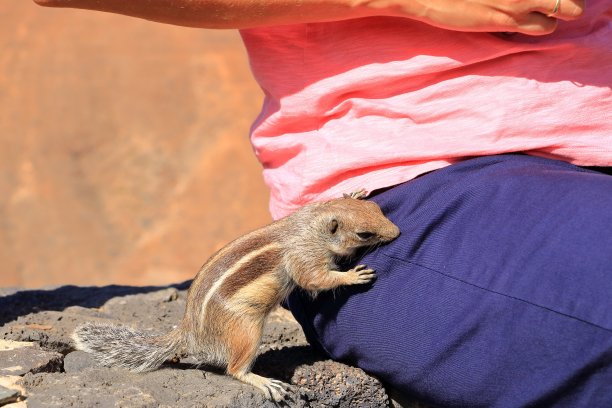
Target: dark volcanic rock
point(166, 387)
point(331, 384)
point(7, 395)
point(20, 303)
point(284, 355)
point(50, 329)
point(78, 361)
point(22, 358)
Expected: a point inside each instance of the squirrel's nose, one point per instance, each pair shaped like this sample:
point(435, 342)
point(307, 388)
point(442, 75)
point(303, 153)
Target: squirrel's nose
point(393, 232)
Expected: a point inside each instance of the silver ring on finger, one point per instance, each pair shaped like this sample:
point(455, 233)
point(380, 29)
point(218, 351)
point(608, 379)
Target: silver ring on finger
point(555, 9)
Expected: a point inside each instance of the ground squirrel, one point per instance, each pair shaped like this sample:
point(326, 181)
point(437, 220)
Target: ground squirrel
point(236, 289)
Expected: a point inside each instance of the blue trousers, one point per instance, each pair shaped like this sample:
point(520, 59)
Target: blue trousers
point(498, 292)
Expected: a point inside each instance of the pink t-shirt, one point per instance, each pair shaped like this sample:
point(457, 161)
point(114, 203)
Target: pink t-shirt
point(373, 102)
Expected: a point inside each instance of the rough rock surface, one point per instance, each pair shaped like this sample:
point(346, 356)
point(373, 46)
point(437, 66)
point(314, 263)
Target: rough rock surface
point(47, 318)
point(19, 358)
point(8, 395)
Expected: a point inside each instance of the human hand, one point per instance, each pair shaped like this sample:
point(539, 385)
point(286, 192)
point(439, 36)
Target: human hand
point(533, 17)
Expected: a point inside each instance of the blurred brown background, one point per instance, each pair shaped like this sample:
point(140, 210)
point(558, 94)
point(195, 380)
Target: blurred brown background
point(124, 153)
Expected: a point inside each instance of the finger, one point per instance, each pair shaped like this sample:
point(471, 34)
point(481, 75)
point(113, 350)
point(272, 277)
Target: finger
point(567, 9)
point(536, 23)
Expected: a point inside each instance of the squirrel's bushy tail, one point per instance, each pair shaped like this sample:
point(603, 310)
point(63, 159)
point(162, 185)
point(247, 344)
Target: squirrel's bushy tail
point(121, 346)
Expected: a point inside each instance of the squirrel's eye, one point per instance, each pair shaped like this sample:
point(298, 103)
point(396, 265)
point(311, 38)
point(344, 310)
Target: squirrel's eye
point(365, 235)
point(333, 226)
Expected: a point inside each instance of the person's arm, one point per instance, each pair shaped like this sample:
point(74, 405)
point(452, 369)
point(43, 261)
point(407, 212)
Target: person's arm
point(525, 16)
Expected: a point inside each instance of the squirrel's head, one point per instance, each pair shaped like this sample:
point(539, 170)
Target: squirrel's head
point(347, 224)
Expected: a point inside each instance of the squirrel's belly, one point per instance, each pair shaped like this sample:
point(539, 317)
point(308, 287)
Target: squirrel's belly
point(258, 297)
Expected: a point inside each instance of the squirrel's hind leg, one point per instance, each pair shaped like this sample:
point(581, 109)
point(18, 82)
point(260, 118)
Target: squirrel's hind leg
point(242, 350)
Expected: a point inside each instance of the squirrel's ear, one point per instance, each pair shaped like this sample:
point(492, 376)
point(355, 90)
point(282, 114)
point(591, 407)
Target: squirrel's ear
point(333, 226)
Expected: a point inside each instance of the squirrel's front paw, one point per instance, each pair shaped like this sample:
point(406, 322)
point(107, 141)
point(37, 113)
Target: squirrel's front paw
point(360, 275)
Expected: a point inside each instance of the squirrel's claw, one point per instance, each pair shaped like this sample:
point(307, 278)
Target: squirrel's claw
point(277, 390)
point(360, 275)
point(273, 389)
point(357, 195)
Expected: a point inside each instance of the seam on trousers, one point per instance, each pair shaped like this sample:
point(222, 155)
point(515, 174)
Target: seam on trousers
point(499, 293)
